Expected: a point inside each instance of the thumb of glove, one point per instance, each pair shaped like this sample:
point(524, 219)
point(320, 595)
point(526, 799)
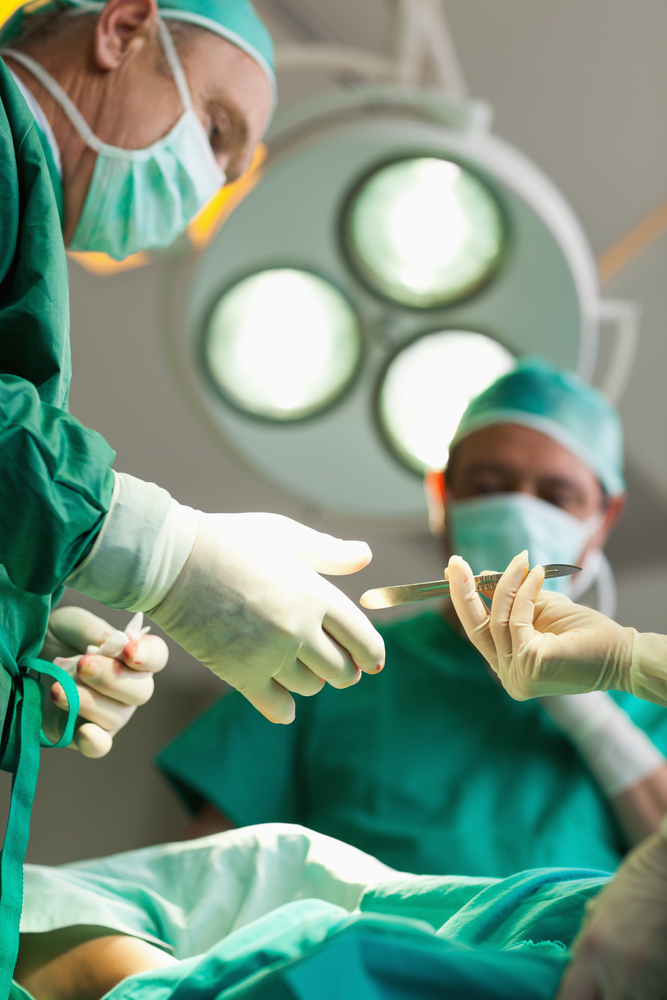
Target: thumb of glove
point(326, 554)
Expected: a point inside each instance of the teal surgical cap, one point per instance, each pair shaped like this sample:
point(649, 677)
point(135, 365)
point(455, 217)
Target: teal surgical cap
point(562, 406)
point(235, 20)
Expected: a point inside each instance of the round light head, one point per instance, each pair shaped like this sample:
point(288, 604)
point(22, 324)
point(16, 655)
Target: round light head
point(424, 232)
point(428, 385)
point(282, 344)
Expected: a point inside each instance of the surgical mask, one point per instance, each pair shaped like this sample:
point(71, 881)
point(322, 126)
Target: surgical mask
point(140, 198)
point(488, 531)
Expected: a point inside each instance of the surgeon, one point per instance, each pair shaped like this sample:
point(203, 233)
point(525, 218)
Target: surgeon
point(435, 769)
point(118, 122)
point(540, 644)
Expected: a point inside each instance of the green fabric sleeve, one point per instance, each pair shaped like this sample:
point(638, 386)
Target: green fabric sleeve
point(56, 481)
point(238, 761)
point(55, 491)
point(34, 294)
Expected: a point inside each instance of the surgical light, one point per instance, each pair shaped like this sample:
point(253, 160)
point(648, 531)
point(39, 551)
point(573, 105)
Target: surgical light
point(536, 292)
point(282, 344)
point(428, 385)
point(424, 231)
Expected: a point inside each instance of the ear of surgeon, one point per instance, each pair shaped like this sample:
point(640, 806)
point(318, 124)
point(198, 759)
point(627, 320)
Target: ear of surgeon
point(113, 68)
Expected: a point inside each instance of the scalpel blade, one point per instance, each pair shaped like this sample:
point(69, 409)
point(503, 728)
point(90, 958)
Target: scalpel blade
point(389, 597)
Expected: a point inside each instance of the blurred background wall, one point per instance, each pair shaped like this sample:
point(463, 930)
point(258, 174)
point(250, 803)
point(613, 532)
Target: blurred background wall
point(580, 88)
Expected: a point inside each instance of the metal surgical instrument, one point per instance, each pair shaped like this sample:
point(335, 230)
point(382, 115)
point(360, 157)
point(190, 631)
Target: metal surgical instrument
point(389, 597)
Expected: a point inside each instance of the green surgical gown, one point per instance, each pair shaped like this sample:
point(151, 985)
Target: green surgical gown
point(429, 766)
point(56, 480)
point(55, 475)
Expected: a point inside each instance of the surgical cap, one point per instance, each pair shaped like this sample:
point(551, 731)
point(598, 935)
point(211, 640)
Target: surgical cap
point(562, 406)
point(235, 20)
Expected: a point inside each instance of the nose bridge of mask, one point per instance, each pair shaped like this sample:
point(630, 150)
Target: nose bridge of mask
point(488, 531)
point(79, 122)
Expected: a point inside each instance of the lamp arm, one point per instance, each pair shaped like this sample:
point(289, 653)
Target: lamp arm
point(323, 57)
point(420, 31)
point(625, 317)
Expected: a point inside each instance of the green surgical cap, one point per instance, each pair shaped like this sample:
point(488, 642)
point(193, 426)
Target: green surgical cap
point(562, 406)
point(235, 20)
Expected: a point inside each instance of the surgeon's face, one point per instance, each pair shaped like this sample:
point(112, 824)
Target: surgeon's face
point(510, 458)
point(114, 69)
point(230, 94)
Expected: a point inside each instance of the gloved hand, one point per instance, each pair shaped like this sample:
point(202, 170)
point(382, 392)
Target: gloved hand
point(249, 604)
point(113, 675)
point(620, 953)
point(538, 642)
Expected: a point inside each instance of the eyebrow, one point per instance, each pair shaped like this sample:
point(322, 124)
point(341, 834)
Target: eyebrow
point(499, 467)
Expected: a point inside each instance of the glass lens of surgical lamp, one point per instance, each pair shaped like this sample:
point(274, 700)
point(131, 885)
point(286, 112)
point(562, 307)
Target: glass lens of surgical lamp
point(427, 387)
point(424, 232)
point(282, 344)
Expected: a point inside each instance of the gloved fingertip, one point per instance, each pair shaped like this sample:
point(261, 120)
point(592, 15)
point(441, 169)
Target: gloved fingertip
point(131, 654)
point(280, 722)
point(356, 555)
point(151, 653)
point(458, 564)
point(92, 741)
point(536, 578)
point(364, 551)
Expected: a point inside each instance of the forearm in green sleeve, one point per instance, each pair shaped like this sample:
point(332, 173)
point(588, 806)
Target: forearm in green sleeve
point(55, 488)
point(649, 667)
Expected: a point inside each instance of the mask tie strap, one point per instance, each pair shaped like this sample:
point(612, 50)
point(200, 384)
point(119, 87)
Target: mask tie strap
point(175, 65)
point(58, 95)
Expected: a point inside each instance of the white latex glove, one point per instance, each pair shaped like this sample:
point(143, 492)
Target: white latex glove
point(620, 952)
point(249, 604)
point(113, 671)
point(538, 642)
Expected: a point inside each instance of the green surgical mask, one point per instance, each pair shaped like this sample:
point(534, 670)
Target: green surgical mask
point(140, 198)
point(488, 531)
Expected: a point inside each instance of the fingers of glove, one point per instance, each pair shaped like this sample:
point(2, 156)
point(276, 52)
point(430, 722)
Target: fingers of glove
point(112, 678)
point(54, 647)
point(299, 679)
point(522, 612)
point(351, 629)
point(471, 609)
point(272, 700)
point(329, 660)
point(503, 603)
point(150, 653)
point(327, 554)
point(53, 720)
point(106, 713)
point(78, 628)
point(91, 741)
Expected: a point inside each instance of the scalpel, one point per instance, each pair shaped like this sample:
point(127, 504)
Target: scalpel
point(389, 597)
